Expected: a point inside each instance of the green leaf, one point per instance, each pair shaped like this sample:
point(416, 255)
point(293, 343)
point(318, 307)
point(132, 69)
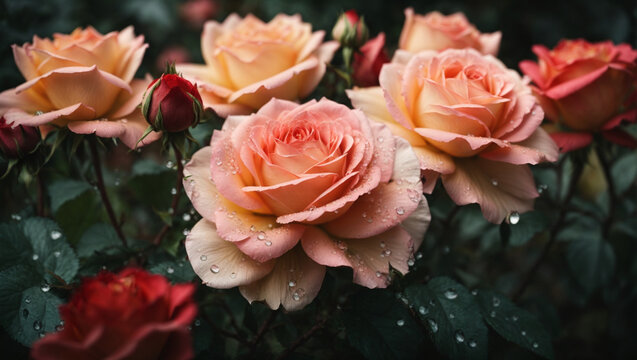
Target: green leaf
point(624, 172)
point(26, 311)
point(452, 316)
point(77, 215)
point(530, 224)
point(65, 190)
point(514, 324)
point(591, 260)
point(97, 238)
point(147, 167)
point(382, 328)
point(15, 247)
point(53, 254)
point(178, 271)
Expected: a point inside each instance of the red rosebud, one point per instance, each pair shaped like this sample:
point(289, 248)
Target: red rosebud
point(172, 104)
point(130, 315)
point(16, 142)
point(350, 30)
point(369, 60)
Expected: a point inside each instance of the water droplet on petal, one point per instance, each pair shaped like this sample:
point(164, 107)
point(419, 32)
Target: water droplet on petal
point(261, 235)
point(382, 244)
point(400, 210)
point(214, 269)
point(451, 294)
point(292, 283)
point(381, 139)
point(459, 337)
point(233, 275)
point(219, 162)
point(55, 234)
point(514, 218)
point(268, 243)
point(494, 182)
point(253, 228)
point(378, 274)
point(400, 322)
point(203, 258)
point(410, 262)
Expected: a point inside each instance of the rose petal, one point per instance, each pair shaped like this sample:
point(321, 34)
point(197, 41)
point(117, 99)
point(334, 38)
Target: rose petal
point(418, 222)
point(569, 141)
point(60, 117)
point(390, 79)
point(500, 188)
point(538, 148)
point(490, 43)
point(294, 282)
point(128, 130)
point(456, 144)
point(200, 189)
point(219, 263)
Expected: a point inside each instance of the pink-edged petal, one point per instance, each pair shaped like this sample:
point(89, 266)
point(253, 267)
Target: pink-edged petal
point(538, 148)
point(274, 108)
point(128, 130)
point(390, 79)
point(228, 174)
point(87, 85)
point(499, 188)
point(490, 43)
point(258, 236)
point(200, 189)
point(402, 57)
point(386, 205)
point(530, 121)
point(571, 86)
point(62, 116)
point(384, 150)
point(418, 222)
point(371, 101)
point(311, 45)
point(569, 141)
point(456, 144)
point(429, 178)
point(532, 70)
point(219, 263)
point(24, 62)
point(293, 283)
point(620, 137)
point(369, 257)
point(28, 101)
point(131, 60)
point(432, 159)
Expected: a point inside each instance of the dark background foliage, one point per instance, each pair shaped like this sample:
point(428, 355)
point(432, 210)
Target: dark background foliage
point(582, 297)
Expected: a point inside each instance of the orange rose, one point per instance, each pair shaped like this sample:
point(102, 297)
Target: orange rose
point(83, 80)
point(248, 62)
point(589, 87)
point(471, 121)
point(435, 31)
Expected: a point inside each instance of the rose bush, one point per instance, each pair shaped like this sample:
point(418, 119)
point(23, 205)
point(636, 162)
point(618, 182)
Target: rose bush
point(84, 81)
point(435, 31)
point(248, 62)
point(293, 188)
point(130, 315)
point(471, 121)
point(587, 87)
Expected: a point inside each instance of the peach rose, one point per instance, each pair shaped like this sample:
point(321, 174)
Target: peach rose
point(587, 87)
point(248, 62)
point(435, 31)
point(293, 188)
point(84, 81)
point(471, 121)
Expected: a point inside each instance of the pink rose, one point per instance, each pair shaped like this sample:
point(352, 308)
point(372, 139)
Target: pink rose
point(471, 121)
point(587, 87)
point(293, 188)
point(248, 62)
point(369, 60)
point(435, 31)
point(84, 81)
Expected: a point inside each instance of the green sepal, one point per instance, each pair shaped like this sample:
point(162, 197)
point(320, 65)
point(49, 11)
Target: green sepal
point(148, 130)
point(148, 94)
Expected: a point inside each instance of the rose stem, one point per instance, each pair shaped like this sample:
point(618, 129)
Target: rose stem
point(612, 194)
point(175, 201)
point(40, 181)
point(262, 330)
point(102, 189)
point(553, 234)
point(302, 339)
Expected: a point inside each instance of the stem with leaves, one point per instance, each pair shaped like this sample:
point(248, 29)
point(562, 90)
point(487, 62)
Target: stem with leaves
point(102, 190)
point(176, 196)
point(555, 229)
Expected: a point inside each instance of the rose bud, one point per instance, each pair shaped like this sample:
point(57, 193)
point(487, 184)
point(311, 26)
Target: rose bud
point(350, 30)
point(369, 60)
point(172, 104)
point(16, 142)
point(130, 315)
point(586, 88)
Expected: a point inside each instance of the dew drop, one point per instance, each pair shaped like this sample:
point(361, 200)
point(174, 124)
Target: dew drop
point(400, 322)
point(57, 253)
point(261, 235)
point(253, 228)
point(418, 256)
point(173, 191)
point(35, 257)
point(472, 344)
point(219, 162)
point(197, 322)
point(16, 217)
point(55, 234)
point(292, 283)
point(494, 182)
point(186, 217)
point(495, 301)
point(452, 316)
point(214, 269)
point(459, 337)
point(268, 243)
point(27, 300)
point(523, 333)
point(514, 218)
point(378, 274)
point(423, 310)
point(45, 287)
point(233, 275)
point(400, 210)
point(37, 325)
point(203, 258)
point(492, 314)
point(451, 294)
point(410, 262)
point(535, 345)
point(170, 270)
point(514, 318)
point(381, 139)
point(387, 252)
point(169, 164)
point(382, 244)
point(433, 325)
point(474, 292)
point(185, 232)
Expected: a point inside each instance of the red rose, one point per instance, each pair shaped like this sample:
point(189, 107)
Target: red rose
point(350, 29)
point(586, 88)
point(17, 141)
point(130, 315)
point(369, 61)
point(172, 104)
